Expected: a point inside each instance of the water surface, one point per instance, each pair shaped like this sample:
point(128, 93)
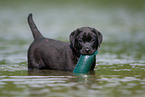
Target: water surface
point(120, 67)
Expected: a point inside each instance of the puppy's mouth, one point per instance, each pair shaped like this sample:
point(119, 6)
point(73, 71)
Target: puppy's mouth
point(87, 51)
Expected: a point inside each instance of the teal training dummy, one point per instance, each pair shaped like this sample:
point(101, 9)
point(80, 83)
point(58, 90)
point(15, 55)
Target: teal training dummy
point(84, 63)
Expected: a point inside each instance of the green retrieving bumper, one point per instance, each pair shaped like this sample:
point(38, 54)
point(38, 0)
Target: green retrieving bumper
point(84, 63)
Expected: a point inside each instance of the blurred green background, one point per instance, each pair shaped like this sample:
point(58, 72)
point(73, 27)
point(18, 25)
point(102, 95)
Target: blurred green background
point(120, 62)
point(120, 21)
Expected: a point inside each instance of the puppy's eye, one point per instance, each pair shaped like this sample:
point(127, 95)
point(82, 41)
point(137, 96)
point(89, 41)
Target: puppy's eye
point(80, 40)
point(93, 40)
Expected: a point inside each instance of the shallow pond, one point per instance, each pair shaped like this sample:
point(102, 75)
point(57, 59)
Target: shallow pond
point(120, 64)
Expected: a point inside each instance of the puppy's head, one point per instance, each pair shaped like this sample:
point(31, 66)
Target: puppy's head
point(85, 40)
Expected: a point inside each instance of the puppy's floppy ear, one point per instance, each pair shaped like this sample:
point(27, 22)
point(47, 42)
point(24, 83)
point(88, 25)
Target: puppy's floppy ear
point(73, 37)
point(99, 36)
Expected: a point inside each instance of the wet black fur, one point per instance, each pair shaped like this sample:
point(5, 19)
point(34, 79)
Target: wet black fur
point(46, 53)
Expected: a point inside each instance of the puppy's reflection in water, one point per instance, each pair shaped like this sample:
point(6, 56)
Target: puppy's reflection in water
point(49, 73)
point(53, 82)
point(69, 76)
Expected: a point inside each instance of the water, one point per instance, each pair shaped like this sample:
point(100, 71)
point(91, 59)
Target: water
point(120, 68)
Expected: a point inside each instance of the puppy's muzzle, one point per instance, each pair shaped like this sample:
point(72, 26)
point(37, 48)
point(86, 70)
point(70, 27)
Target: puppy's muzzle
point(87, 49)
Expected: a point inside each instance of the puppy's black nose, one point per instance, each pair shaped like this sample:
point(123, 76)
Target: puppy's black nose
point(87, 49)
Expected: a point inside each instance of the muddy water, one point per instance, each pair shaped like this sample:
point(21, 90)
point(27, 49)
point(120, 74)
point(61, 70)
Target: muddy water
point(120, 67)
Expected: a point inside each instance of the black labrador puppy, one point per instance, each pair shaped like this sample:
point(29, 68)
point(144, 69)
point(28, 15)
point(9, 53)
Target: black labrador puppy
point(45, 53)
